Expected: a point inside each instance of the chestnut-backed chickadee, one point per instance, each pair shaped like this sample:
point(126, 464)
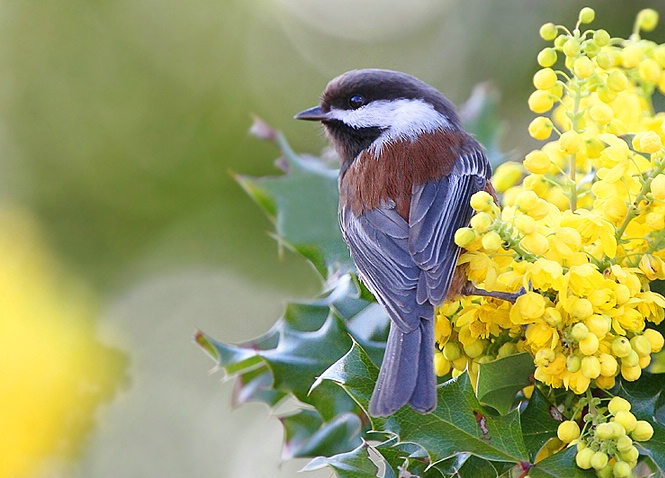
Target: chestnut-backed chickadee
point(408, 171)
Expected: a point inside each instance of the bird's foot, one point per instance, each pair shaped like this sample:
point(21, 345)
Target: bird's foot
point(470, 289)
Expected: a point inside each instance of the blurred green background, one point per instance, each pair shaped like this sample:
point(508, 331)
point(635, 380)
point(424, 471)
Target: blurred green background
point(120, 122)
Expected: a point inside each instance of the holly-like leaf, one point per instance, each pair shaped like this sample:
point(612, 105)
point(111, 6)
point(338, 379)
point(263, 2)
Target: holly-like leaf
point(500, 380)
point(353, 464)
point(538, 424)
point(307, 435)
point(303, 206)
point(458, 423)
point(560, 465)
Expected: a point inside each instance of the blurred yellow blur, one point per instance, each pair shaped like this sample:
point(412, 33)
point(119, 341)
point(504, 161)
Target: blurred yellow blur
point(55, 372)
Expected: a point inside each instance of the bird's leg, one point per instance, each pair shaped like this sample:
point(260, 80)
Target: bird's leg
point(470, 289)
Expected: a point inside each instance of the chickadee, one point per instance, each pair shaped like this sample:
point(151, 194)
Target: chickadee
point(408, 171)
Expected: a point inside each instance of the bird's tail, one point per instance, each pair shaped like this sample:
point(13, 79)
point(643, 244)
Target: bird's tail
point(407, 372)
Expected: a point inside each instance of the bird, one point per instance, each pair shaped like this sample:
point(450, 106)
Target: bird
point(407, 172)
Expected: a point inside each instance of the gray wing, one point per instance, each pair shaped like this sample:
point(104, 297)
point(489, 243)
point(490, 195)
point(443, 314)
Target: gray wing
point(378, 241)
point(438, 209)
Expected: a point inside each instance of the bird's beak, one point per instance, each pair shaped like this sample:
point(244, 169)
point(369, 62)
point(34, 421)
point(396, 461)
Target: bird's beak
point(312, 114)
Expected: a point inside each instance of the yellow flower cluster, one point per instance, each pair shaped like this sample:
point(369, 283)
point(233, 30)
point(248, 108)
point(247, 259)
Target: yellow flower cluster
point(584, 232)
point(606, 443)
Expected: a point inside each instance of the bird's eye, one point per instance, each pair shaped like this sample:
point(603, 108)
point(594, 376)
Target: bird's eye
point(356, 101)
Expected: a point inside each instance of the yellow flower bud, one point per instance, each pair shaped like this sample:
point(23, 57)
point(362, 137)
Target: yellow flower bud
point(492, 241)
point(507, 175)
point(658, 187)
point(601, 37)
point(547, 57)
point(604, 60)
point(617, 404)
point(579, 332)
point(464, 236)
point(617, 81)
point(474, 349)
point(544, 79)
point(481, 222)
point(548, 32)
point(605, 431)
point(631, 373)
point(583, 67)
point(573, 363)
point(631, 360)
point(570, 142)
point(624, 442)
point(621, 347)
point(606, 383)
point(599, 460)
point(452, 351)
point(598, 324)
point(535, 243)
point(583, 458)
point(568, 431)
point(655, 338)
point(540, 101)
point(626, 419)
point(631, 56)
point(621, 469)
point(605, 94)
point(630, 456)
point(580, 308)
point(482, 201)
point(526, 200)
point(643, 431)
point(590, 367)
point(587, 14)
point(644, 361)
point(571, 48)
point(649, 70)
point(525, 224)
point(537, 162)
point(641, 345)
point(589, 345)
point(608, 365)
point(540, 128)
point(601, 113)
point(530, 306)
point(441, 365)
point(647, 142)
point(647, 19)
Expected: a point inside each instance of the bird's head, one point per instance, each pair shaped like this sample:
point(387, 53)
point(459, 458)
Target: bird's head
point(369, 108)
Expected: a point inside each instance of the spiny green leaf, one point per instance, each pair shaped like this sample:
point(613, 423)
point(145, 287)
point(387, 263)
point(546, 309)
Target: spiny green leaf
point(538, 425)
point(655, 447)
point(353, 464)
point(500, 380)
point(303, 205)
point(307, 435)
point(458, 423)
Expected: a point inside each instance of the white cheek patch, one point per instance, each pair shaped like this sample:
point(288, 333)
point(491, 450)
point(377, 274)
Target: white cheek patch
point(400, 119)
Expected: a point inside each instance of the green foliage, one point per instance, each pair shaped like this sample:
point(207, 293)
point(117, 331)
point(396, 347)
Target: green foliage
point(324, 354)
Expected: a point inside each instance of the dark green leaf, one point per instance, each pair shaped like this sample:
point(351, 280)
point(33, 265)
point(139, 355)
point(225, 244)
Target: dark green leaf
point(307, 435)
point(353, 464)
point(303, 205)
point(458, 423)
point(646, 396)
point(256, 385)
point(538, 425)
point(500, 380)
point(560, 465)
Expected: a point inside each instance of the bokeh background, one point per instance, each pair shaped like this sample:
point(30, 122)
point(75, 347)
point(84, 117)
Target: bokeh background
point(122, 230)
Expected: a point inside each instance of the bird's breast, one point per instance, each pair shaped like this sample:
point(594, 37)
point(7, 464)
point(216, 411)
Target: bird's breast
point(376, 177)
